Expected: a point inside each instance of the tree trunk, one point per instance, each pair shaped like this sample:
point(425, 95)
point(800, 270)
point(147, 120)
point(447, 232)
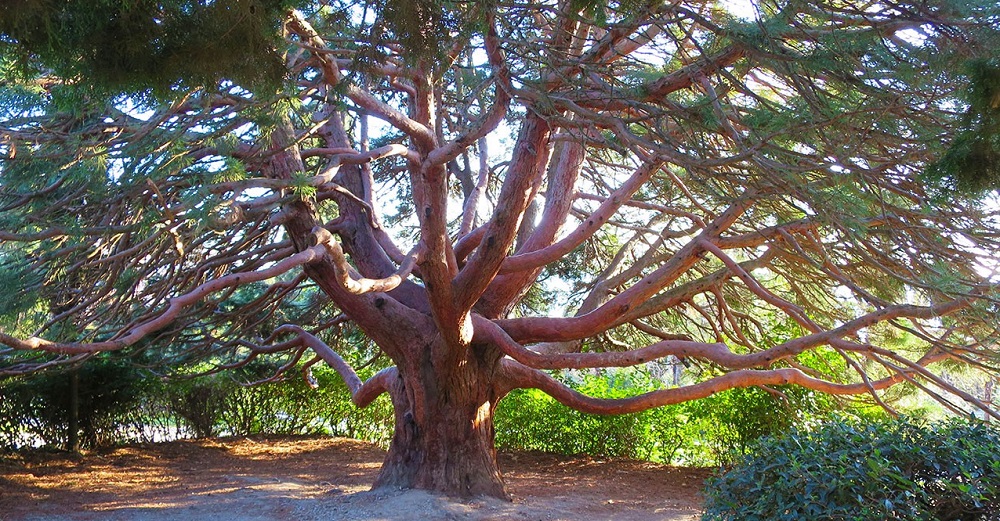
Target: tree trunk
point(443, 439)
point(73, 432)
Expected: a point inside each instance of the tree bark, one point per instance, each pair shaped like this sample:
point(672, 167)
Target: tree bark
point(444, 436)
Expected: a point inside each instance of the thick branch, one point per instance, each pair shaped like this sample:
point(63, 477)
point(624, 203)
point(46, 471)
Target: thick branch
point(519, 186)
point(519, 376)
point(177, 305)
point(717, 353)
point(349, 279)
point(362, 393)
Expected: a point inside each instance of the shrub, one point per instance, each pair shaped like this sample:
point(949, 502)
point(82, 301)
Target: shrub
point(529, 419)
point(843, 470)
point(341, 417)
point(218, 404)
point(36, 409)
point(199, 403)
point(712, 431)
point(730, 423)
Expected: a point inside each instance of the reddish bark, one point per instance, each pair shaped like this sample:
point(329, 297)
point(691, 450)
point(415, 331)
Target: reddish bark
point(734, 221)
point(443, 435)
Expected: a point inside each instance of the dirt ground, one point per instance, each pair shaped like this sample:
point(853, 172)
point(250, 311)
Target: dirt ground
point(323, 479)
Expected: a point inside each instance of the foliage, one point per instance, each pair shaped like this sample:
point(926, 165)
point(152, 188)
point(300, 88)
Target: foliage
point(972, 163)
point(120, 404)
point(222, 404)
point(144, 44)
point(531, 420)
point(713, 431)
point(847, 470)
point(735, 420)
point(112, 395)
point(219, 405)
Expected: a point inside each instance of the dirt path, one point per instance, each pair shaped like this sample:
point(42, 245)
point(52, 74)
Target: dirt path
point(323, 479)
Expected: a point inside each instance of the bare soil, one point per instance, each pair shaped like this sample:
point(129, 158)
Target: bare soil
point(272, 479)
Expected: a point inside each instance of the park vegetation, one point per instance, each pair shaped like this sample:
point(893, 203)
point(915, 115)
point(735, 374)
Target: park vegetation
point(488, 200)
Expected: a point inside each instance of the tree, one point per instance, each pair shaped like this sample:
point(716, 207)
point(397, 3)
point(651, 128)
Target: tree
point(749, 192)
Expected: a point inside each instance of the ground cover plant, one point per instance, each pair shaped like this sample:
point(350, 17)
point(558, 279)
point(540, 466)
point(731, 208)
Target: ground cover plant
point(850, 470)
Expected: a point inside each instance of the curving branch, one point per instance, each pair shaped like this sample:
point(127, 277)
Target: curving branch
point(717, 352)
point(471, 206)
point(362, 393)
point(349, 278)
point(174, 309)
point(519, 376)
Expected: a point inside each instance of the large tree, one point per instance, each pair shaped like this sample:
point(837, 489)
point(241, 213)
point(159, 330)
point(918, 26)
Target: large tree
point(793, 194)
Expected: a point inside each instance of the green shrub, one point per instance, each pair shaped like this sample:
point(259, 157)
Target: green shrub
point(199, 403)
point(218, 404)
point(843, 470)
point(340, 417)
point(528, 419)
point(712, 431)
point(36, 409)
point(728, 424)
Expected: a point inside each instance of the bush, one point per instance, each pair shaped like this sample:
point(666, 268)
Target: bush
point(528, 419)
point(843, 470)
point(341, 417)
point(36, 409)
point(730, 423)
point(119, 403)
point(199, 403)
point(712, 431)
point(217, 404)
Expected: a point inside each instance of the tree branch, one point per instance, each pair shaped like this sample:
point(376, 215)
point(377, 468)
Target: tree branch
point(520, 185)
point(543, 256)
point(362, 393)
point(550, 329)
point(518, 376)
point(173, 310)
point(349, 279)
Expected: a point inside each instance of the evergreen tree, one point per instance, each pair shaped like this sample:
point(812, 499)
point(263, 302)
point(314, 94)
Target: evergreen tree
point(770, 196)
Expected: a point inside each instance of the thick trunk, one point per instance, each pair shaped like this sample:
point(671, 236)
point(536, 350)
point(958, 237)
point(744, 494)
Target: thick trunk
point(443, 440)
point(444, 396)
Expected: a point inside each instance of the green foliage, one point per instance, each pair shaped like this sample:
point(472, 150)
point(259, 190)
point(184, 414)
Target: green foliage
point(890, 469)
point(713, 431)
point(219, 405)
point(972, 163)
point(18, 100)
point(21, 281)
point(145, 44)
point(341, 417)
point(734, 420)
point(120, 403)
point(531, 420)
point(302, 187)
point(426, 28)
point(111, 394)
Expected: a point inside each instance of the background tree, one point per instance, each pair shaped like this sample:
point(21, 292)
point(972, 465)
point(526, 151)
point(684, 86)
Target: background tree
point(747, 193)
